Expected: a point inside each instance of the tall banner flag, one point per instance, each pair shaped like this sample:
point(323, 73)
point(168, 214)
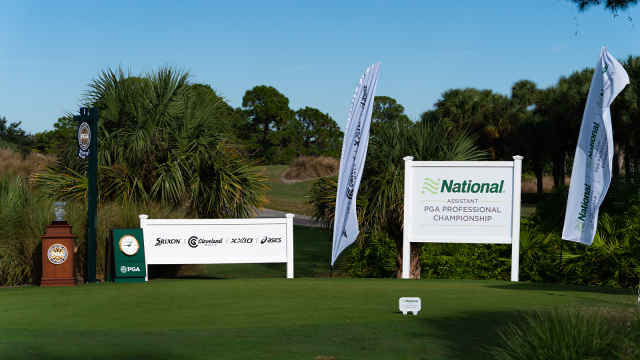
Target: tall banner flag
point(354, 153)
point(591, 173)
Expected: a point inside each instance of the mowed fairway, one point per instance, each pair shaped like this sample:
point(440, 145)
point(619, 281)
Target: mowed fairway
point(307, 318)
point(285, 197)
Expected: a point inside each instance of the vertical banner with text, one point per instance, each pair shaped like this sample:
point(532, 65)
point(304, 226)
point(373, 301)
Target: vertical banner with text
point(354, 153)
point(591, 173)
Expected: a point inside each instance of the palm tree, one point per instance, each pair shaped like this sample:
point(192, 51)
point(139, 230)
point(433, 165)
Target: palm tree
point(162, 140)
point(380, 202)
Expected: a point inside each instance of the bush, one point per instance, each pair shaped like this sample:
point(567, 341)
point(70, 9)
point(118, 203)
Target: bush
point(375, 256)
point(311, 167)
point(23, 218)
point(466, 261)
point(550, 211)
point(569, 333)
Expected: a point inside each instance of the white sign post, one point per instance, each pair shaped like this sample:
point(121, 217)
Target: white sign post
point(462, 202)
point(218, 241)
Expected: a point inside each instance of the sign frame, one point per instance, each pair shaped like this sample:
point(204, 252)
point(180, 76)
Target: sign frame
point(410, 187)
point(287, 225)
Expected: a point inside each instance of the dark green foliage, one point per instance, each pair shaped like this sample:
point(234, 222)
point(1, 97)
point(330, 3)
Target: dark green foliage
point(320, 134)
point(270, 130)
point(386, 110)
point(550, 212)
point(375, 256)
point(162, 139)
point(13, 134)
point(614, 6)
point(60, 140)
point(466, 261)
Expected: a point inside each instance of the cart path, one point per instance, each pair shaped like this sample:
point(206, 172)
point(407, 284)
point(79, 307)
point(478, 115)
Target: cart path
point(297, 219)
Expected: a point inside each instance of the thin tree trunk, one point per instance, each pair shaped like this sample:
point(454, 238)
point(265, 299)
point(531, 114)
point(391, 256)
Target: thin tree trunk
point(616, 160)
point(537, 169)
point(563, 169)
point(627, 163)
point(557, 167)
point(414, 265)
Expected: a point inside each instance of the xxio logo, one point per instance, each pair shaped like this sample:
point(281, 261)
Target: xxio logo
point(242, 241)
point(125, 269)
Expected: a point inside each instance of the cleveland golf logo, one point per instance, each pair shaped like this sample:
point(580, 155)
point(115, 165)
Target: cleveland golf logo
point(450, 186)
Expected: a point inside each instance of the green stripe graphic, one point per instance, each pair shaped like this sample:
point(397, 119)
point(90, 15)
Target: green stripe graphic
point(431, 186)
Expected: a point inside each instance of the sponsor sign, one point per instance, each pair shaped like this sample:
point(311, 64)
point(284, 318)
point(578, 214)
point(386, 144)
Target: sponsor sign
point(462, 202)
point(218, 241)
point(412, 304)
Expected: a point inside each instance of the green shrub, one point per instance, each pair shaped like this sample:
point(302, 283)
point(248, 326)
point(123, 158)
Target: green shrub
point(569, 333)
point(466, 261)
point(375, 256)
point(550, 211)
point(23, 217)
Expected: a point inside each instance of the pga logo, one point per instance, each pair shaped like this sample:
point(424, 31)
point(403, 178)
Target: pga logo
point(125, 269)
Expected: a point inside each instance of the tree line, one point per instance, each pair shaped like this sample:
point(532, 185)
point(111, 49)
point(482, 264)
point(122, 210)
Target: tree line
point(542, 124)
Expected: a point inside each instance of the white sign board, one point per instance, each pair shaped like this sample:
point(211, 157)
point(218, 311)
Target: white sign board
point(412, 304)
point(462, 202)
point(218, 241)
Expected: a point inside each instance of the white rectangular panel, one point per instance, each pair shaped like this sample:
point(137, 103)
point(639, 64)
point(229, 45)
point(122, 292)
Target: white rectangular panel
point(469, 203)
point(215, 243)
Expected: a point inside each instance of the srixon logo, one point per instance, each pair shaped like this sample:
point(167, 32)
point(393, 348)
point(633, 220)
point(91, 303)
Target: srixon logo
point(466, 186)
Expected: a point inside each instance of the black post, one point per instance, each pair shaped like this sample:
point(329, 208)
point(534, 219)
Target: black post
point(93, 195)
point(90, 117)
point(331, 273)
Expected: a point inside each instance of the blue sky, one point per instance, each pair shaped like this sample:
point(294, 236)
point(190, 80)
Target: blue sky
point(312, 52)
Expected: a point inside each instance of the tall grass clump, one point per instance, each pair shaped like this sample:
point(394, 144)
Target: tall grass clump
point(311, 167)
point(564, 334)
point(23, 217)
point(13, 163)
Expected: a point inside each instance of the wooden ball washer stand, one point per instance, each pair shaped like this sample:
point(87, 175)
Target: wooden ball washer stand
point(58, 252)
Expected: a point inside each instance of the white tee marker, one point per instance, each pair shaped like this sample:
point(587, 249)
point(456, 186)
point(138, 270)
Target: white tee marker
point(410, 304)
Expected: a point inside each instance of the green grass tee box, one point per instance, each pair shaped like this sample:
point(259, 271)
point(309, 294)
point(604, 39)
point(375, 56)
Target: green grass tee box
point(311, 318)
